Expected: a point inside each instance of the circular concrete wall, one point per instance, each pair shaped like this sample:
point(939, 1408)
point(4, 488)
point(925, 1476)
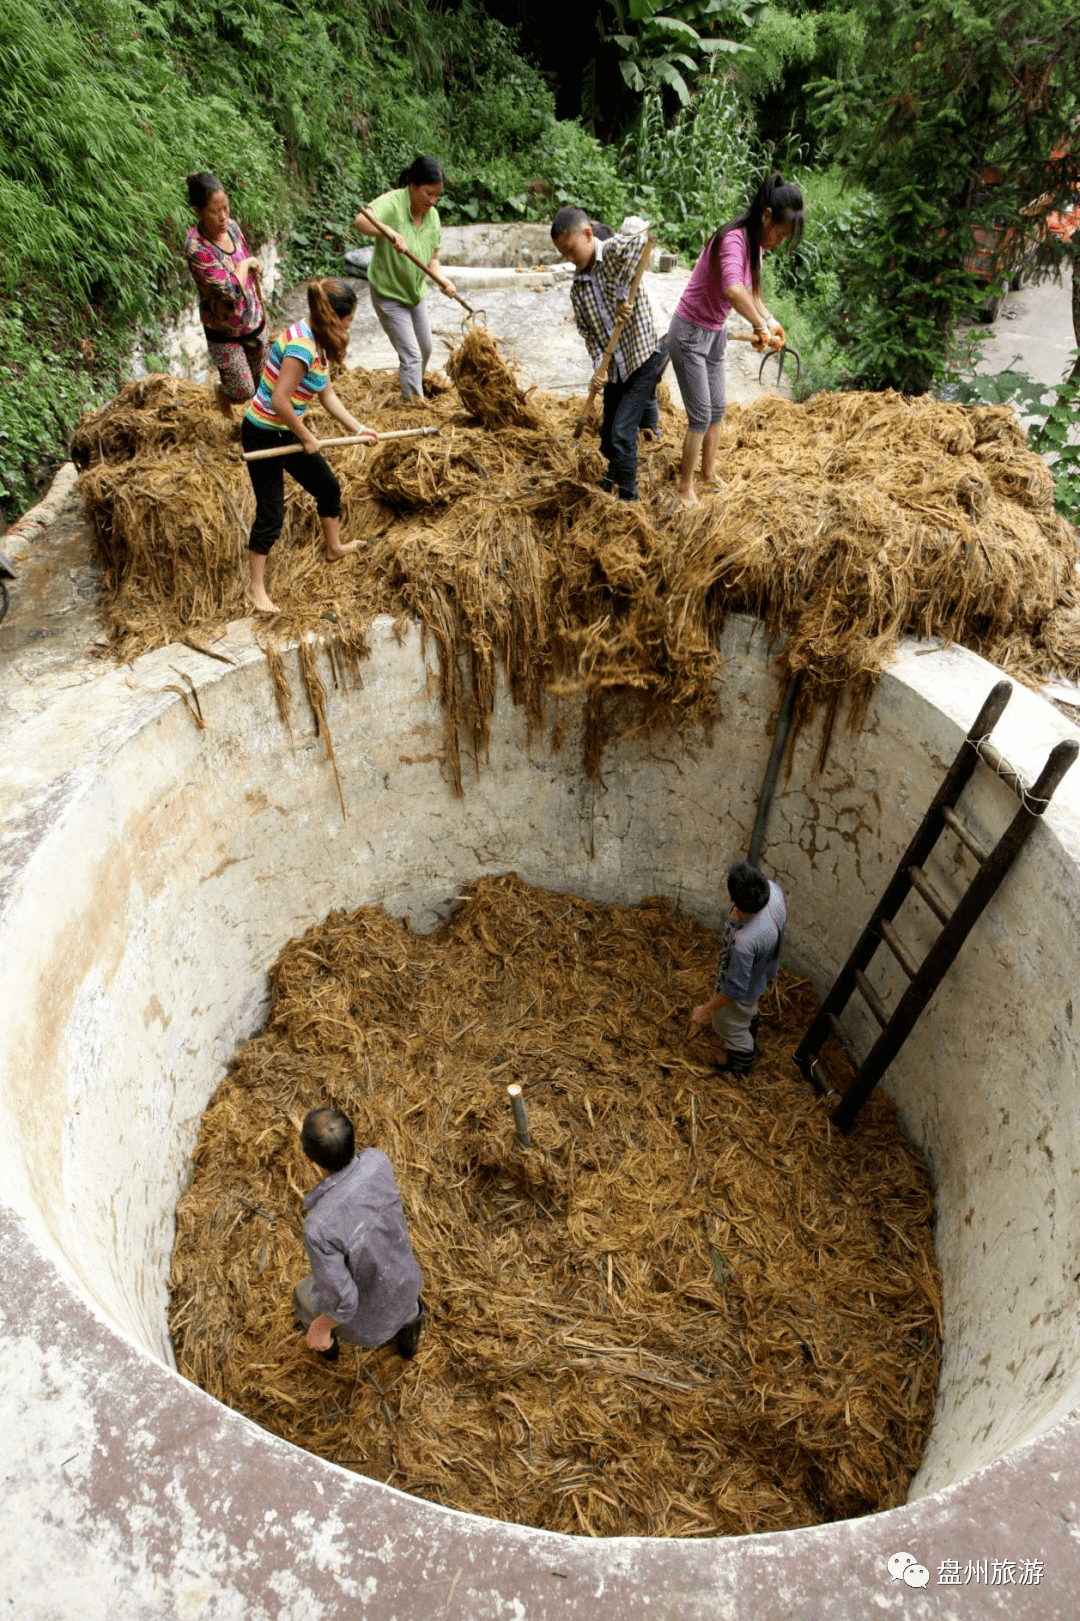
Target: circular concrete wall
point(150, 871)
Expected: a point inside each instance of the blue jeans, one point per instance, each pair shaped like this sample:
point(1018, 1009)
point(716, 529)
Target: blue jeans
point(626, 409)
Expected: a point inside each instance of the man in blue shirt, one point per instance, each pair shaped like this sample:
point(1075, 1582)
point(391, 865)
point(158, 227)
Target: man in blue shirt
point(749, 959)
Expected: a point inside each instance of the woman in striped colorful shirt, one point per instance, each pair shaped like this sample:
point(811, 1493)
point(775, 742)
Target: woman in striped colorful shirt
point(296, 372)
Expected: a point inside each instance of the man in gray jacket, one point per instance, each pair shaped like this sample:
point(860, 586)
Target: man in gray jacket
point(365, 1281)
point(749, 959)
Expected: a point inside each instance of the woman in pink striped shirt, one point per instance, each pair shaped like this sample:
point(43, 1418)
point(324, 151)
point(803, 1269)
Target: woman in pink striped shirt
point(227, 276)
point(727, 276)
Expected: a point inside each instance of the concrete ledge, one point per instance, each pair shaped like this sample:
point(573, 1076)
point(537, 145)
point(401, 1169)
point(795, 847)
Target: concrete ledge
point(465, 277)
point(149, 873)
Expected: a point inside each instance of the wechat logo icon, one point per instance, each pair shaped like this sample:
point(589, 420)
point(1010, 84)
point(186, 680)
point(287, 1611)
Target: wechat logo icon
point(905, 1567)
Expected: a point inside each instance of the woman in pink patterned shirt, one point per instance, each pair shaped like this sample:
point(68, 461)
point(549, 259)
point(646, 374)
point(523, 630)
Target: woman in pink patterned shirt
point(227, 276)
point(727, 276)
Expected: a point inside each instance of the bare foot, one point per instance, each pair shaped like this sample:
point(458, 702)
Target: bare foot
point(224, 404)
point(690, 500)
point(336, 550)
point(261, 602)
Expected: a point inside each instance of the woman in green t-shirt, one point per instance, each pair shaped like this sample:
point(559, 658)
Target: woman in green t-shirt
point(397, 286)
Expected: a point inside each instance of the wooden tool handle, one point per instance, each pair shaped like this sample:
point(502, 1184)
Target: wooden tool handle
point(349, 439)
point(748, 337)
point(616, 334)
point(385, 231)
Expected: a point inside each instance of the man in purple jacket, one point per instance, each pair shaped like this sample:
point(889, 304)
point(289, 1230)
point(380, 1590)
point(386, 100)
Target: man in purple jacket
point(365, 1281)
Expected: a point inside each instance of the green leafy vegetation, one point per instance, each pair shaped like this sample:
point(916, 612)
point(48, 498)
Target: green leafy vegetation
point(956, 115)
point(96, 135)
point(1053, 417)
point(807, 280)
point(699, 169)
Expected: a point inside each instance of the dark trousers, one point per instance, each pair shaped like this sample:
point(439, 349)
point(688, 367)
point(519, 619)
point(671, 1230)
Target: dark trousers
point(268, 482)
point(628, 406)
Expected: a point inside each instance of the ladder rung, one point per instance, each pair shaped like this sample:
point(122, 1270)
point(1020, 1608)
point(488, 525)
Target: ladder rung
point(965, 835)
point(899, 950)
point(1000, 766)
point(910, 874)
point(871, 998)
point(921, 883)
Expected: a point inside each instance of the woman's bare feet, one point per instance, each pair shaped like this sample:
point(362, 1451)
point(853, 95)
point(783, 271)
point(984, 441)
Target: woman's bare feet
point(224, 404)
point(260, 601)
point(335, 550)
point(688, 499)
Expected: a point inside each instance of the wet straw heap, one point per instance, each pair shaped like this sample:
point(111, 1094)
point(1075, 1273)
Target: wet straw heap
point(687, 1309)
point(844, 523)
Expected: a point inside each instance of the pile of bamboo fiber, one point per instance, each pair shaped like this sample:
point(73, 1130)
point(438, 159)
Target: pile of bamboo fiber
point(690, 1308)
point(844, 523)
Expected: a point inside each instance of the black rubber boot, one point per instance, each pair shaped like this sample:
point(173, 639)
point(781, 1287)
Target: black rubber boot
point(407, 1339)
point(735, 1063)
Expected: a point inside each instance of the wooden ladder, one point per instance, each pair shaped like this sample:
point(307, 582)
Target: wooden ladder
point(925, 977)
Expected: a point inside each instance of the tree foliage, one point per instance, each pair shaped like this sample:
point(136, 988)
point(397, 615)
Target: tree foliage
point(699, 168)
point(797, 42)
point(960, 116)
point(651, 45)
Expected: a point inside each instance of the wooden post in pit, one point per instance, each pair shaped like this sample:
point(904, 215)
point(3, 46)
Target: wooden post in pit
point(521, 1119)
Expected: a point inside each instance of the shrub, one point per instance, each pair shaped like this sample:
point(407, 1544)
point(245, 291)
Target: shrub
point(94, 147)
point(702, 170)
point(579, 170)
point(833, 217)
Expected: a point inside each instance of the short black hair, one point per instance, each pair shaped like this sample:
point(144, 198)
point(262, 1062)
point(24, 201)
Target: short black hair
point(423, 172)
point(569, 221)
point(748, 888)
point(327, 1138)
point(201, 186)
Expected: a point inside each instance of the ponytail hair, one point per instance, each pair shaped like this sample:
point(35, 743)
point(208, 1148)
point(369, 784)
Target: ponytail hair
point(201, 186)
point(422, 172)
point(784, 200)
point(330, 304)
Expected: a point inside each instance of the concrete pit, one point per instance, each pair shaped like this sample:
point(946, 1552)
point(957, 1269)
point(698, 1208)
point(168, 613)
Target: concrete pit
point(149, 872)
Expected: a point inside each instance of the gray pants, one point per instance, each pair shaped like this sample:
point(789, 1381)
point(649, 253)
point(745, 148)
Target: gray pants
point(732, 1024)
point(697, 359)
point(301, 1299)
point(406, 325)
point(306, 1312)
